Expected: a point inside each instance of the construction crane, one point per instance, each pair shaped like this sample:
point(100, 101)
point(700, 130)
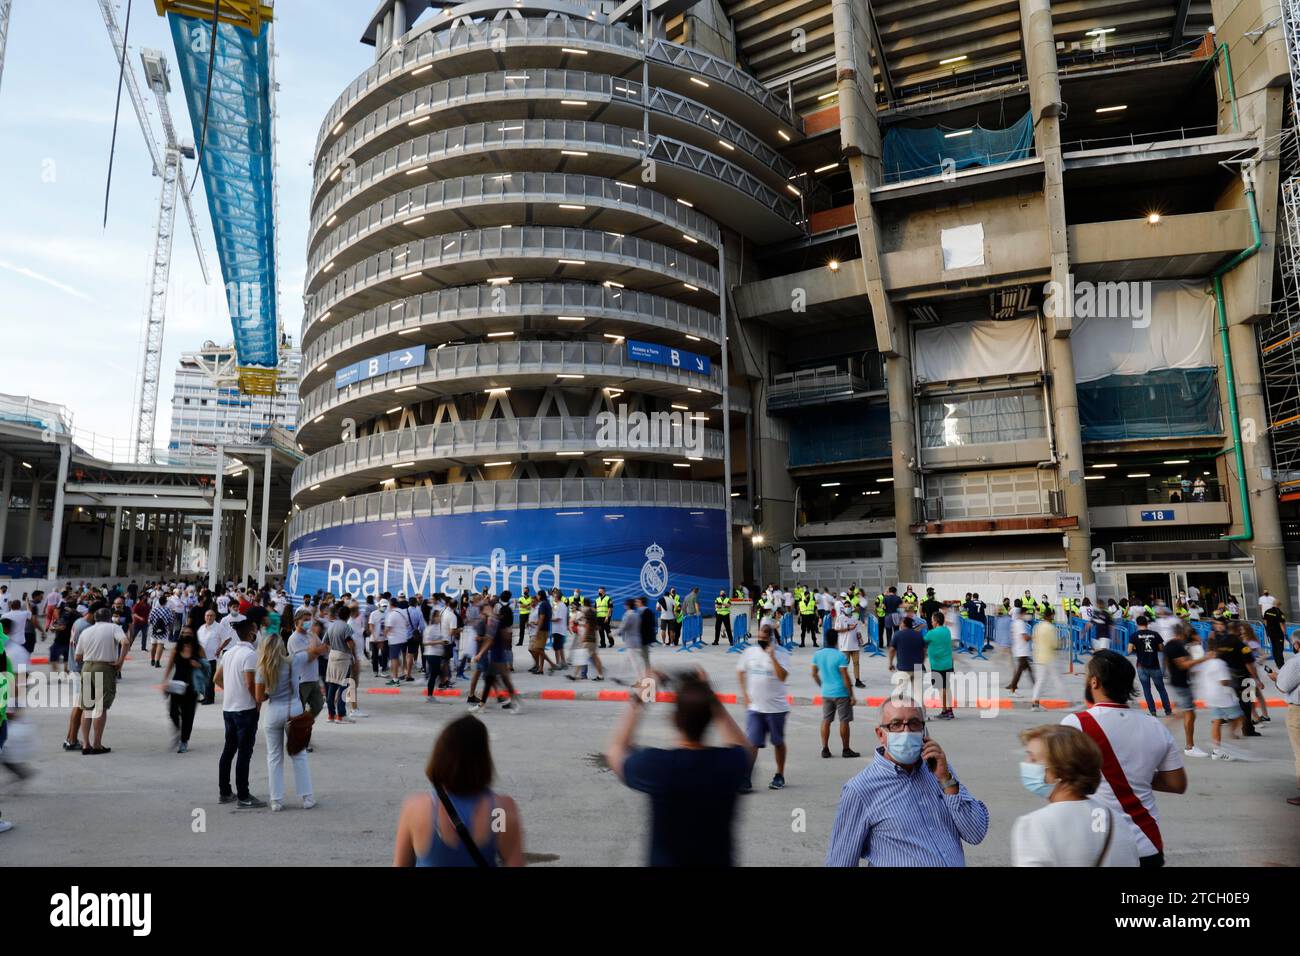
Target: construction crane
point(156, 75)
point(4, 31)
point(137, 101)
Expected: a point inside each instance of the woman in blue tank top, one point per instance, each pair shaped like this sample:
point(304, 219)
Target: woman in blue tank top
point(461, 763)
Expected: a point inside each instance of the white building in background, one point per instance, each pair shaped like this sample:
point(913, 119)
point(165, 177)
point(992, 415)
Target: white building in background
point(207, 406)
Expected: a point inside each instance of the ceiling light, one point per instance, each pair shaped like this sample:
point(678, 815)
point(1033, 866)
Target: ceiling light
point(567, 49)
point(1153, 218)
point(571, 262)
point(793, 189)
point(493, 391)
point(690, 239)
point(688, 205)
point(822, 169)
point(1099, 31)
point(611, 284)
point(405, 464)
point(331, 220)
point(611, 335)
point(494, 464)
point(417, 169)
point(423, 69)
point(1111, 465)
point(569, 375)
point(1094, 477)
point(314, 487)
point(783, 134)
point(960, 132)
point(683, 408)
point(397, 408)
point(830, 484)
point(693, 338)
point(1178, 461)
point(695, 390)
point(1111, 109)
point(571, 318)
point(681, 464)
point(500, 280)
point(568, 454)
point(569, 205)
point(1139, 474)
point(953, 59)
point(419, 120)
point(497, 335)
point(833, 265)
point(827, 96)
point(572, 152)
point(884, 481)
point(724, 143)
point(573, 102)
point(693, 288)
point(698, 82)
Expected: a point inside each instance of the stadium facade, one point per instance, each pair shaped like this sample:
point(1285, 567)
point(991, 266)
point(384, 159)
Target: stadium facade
point(1003, 287)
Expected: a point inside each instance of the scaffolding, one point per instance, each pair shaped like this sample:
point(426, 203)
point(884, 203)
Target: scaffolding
point(1279, 333)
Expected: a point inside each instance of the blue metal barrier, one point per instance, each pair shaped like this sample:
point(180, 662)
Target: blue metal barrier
point(874, 645)
point(692, 629)
point(787, 631)
point(970, 638)
point(740, 633)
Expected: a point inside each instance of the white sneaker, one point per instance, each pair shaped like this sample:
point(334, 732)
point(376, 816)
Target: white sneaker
point(1220, 755)
point(358, 713)
point(5, 826)
point(1194, 752)
point(308, 803)
point(349, 719)
point(276, 805)
point(477, 708)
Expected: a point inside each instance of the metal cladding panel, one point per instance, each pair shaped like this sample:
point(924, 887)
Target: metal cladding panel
point(630, 551)
point(238, 168)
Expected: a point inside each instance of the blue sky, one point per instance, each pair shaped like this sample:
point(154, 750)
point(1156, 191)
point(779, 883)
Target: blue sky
point(72, 293)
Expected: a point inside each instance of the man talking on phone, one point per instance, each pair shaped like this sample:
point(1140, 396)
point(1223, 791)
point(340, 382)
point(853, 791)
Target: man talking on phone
point(906, 808)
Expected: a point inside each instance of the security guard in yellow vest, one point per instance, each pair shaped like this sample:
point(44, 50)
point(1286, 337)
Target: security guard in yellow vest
point(722, 617)
point(574, 600)
point(807, 605)
point(604, 611)
point(525, 606)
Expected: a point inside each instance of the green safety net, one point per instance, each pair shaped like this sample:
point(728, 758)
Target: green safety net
point(917, 153)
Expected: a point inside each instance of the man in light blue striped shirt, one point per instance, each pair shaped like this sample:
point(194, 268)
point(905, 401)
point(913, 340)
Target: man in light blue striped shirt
point(905, 808)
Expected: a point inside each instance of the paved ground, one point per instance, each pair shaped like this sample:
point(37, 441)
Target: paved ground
point(138, 805)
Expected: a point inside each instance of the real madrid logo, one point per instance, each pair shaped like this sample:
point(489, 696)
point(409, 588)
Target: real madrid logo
point(292, 581)
point(654, 573)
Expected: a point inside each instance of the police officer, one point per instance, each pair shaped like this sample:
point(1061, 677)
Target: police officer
point(807, 617)
point(722, 617)
point(525, 603)
point(604, 610)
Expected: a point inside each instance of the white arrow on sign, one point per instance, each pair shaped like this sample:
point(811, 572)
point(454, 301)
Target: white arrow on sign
point(699, 364)
point(406, 358)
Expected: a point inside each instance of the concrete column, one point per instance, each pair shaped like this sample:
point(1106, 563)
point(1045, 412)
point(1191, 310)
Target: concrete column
point(130, 544)
point(860, 141)
point(266, 515)
point(214, 547)
point(117, 541)
point(399, 24)
point(248, 521)
point(56, 524)
point(1045, 101)
point(6, 491)
point(29, 549)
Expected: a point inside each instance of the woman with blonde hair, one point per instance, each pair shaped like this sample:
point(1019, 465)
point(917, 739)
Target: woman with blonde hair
point(1064, 765)
point(278, 676)
point(462, 822)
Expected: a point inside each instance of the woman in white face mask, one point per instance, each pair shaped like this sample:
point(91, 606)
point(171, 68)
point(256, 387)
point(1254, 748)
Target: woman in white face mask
point(1063, 765)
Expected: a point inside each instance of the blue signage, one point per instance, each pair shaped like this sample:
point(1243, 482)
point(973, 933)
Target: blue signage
point(411, 357)
point(1165, 515)
point(630, 551)
point(663, 355)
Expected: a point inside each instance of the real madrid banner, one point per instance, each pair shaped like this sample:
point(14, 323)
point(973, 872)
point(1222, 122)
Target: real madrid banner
point(630, 552)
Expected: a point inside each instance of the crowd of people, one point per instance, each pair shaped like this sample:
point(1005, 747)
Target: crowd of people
point(279, 664)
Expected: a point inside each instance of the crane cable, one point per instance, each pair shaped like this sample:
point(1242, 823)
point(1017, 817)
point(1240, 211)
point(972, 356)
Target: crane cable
point(117, 109)
point(207, 94)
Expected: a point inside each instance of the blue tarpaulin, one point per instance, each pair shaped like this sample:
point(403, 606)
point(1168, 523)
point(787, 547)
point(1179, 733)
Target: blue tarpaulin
point(917, 153)
point(238, 169)
point(843, 436)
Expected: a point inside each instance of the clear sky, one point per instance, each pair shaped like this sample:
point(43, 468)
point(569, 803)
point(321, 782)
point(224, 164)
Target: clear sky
point(72, 293)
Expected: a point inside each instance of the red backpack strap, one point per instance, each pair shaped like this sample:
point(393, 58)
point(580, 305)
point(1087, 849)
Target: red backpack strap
point(1114, 774)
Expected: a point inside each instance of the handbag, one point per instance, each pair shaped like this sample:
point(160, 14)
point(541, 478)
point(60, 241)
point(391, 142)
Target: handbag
point(299, 732)
point(462, 831)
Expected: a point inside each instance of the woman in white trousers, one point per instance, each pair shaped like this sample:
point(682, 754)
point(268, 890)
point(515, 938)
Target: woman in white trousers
point(277, 685)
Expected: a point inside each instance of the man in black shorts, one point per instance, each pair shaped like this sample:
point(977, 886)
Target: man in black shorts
point(498, 654)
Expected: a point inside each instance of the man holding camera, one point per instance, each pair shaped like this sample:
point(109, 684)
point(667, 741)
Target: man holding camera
point(692, 786)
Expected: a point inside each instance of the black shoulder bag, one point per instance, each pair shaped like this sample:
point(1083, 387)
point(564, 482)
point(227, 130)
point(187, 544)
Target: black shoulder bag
point(462, 831)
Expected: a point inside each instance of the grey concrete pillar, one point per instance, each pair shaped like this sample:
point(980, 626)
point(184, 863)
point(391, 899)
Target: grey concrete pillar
point(33, 512)
point(250, 488)
point(117, 541)
point(1045, 102)
point(56, 522)
point(6, 491)
point(214, 547)
point(130, 544)
point(262, 550)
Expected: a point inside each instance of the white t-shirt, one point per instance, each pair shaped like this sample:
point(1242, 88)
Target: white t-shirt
point(300, 642)
point(559, 618)
point(1072, 833)
point(1209, 683)
point(824, 601)
point(1020, 646)
point(431, 642)
point(238, 660)
point(358, 624)
point(101, 642)
point(18, 625)
point(767, 693)
point(223, 603)
point(211, 636)
point(1143, 747)
point(1266, 601)
point(449, 622)
point(666, 612)
point(397, 626)
point(376, 621)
